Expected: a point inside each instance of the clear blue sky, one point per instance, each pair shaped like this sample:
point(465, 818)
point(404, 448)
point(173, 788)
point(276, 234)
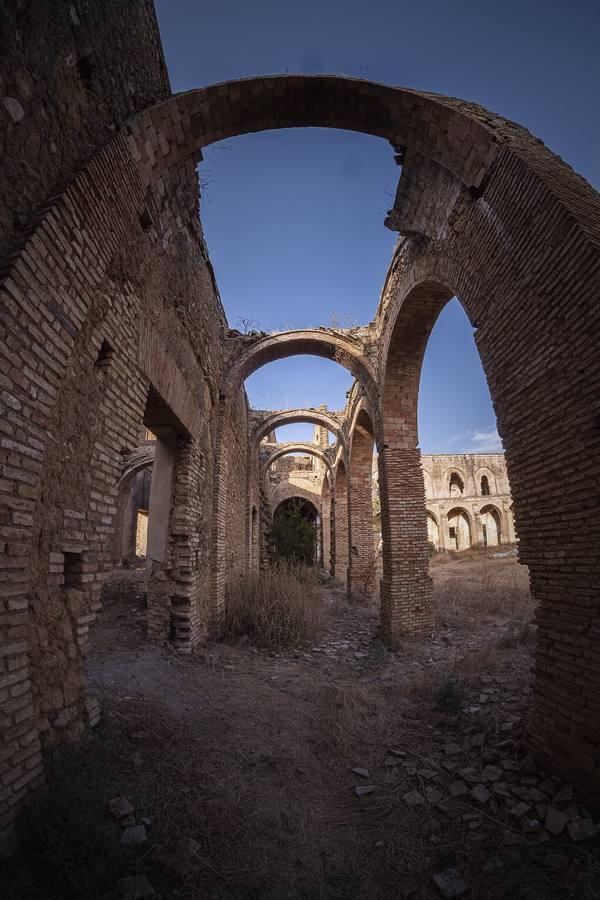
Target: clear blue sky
point(294, 219)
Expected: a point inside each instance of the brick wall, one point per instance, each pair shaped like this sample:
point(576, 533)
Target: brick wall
point(111, 317)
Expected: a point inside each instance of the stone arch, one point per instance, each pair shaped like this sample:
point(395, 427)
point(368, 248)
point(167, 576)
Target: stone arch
point(454, 482)
point(292, 447)
point(361, 567)
point(278, 418)
point(490, 518)
point(483, 472)
point(460, 528)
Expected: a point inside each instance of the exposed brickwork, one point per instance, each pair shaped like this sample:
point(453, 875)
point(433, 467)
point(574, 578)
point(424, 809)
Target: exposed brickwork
point(111, 320)
point(342, 526)
point(361, 505)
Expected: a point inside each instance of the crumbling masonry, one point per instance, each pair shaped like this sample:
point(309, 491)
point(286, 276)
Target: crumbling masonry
point(111, 324)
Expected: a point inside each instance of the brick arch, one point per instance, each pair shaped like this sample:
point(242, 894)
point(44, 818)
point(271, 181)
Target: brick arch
point(292, 417)
point(301, 495)
point(537, 332)
point(286, 490)
point(487, 210)
point(432, 125)
point(458, 142)
point(406, 587)
point(292, 447)
point(338, 347)
point(141, 458)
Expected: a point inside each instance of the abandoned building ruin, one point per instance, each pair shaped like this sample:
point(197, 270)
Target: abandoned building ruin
point(112, 327)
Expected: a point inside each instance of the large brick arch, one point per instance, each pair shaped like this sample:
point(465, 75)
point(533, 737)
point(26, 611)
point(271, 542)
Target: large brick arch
point(286, 491)
point(336, 346)
point(537, 329)
point(292, 447)
point(490, 215)
point(277, 419)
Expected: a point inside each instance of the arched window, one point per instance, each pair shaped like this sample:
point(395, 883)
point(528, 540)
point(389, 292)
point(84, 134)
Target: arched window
point(457, 485)
point(485, 486)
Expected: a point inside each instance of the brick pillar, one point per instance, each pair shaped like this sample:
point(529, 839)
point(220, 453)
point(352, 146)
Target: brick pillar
point(406, 587)
point(360, 568)
point(326, 527)
point(219, 529)
point(186, 582)
point(341, 525)
point(332, 535)
point(157, 586)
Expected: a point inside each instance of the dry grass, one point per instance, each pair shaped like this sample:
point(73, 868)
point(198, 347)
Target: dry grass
point(480, 591)
point(281, 607)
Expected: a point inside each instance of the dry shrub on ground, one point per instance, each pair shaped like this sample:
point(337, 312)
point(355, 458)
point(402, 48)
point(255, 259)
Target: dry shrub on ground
point(280, 607)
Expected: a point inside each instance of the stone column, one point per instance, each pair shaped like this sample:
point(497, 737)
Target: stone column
point(477, 528)
point(508, 526)
point(444, 533)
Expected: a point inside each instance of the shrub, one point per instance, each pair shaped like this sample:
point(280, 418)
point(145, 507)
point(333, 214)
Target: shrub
point(280, 607)
point(293, 536)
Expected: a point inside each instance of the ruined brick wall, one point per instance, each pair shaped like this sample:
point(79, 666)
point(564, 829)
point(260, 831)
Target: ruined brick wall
point(72, 73)
point(242, 493)
point(101, 310)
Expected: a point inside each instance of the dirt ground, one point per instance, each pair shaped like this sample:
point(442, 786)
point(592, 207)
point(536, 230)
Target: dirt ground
point(338, 770)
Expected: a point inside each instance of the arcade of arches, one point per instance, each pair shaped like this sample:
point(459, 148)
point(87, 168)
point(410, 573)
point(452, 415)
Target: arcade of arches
point(111, 325)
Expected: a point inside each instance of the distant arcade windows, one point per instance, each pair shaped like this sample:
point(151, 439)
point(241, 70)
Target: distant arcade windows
point(457, 485)
point(485, 486)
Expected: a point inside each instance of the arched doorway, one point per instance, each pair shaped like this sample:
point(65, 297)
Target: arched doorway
point(459, 529)
point(491, 526)
point(295, 531)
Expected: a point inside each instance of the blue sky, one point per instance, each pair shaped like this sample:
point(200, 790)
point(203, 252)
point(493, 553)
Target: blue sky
point(294, 219)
